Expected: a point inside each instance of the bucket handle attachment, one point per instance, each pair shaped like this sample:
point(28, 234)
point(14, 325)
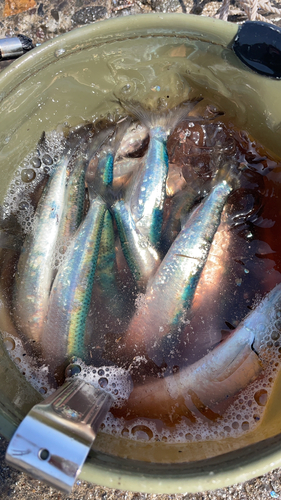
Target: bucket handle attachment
point(11, 48)
point(54, 439)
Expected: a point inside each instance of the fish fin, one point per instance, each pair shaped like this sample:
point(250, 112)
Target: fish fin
point(109, 196)
point(78, 137)
point(211, 112)
point(121, 127)
point(225, 165)
point(101, 163)
point(166, 119)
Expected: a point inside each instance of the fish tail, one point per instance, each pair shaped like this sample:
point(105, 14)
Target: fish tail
point(112, 141)
point(109, 196)
point(103, 176)
point(166, 120)
point(75, 141)
point(228, 171)
point(121, 127)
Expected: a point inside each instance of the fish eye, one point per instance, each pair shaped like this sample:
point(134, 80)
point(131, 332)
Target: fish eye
point(258, 45)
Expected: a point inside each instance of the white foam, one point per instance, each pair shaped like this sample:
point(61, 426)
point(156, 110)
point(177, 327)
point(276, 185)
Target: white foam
point(36, 375)
point(112, 379)
point(19, 192)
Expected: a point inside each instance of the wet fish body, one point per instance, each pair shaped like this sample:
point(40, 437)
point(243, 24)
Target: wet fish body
point(173, 286)
point(34, 273)
point(75, 193)
point(104, 172)
point(148, 191)
point(70, 296)
point(106, 272)
point(142, 258)
point(218, 376)
point(148, 194)
point(73, 206)
point(182, 203)
point(106, 265)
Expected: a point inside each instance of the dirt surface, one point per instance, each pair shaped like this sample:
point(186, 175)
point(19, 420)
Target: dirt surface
point(42, 21)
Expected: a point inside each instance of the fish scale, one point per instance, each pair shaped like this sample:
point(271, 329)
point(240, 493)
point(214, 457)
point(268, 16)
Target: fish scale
point(34, 273)
point(173, 286)
point(71, 292)
point(73, 209)
point(104, 173)
point(141, 256)
point(106, 265)
point(148, 195)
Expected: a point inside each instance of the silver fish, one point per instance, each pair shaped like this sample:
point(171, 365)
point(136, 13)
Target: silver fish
point(70, 297)
point(218, 376)
point(142, 258)
point(75, 192)
point(147, 194)
point(34, 272)
point(171, 291)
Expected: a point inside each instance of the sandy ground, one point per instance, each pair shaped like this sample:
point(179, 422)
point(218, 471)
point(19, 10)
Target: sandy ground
point(41, 21)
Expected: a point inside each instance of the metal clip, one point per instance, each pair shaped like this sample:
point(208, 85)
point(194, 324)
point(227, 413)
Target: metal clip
point(54, 439)
point(10, 48)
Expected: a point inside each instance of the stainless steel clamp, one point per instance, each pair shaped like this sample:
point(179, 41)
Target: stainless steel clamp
point(54, 439)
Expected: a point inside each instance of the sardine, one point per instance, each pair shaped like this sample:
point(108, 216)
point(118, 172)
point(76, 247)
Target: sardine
point(106, 265)
point(73, 206)
point(70, 296)
point(75, 192)
point(110, 307)
point(207, 315)
point(142, 258)
point(54, 218)
point(147, 194)
point(34, 272)
point(171, 291)
point(218, 376)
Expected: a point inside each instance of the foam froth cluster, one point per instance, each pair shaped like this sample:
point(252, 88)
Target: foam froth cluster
point(112, 379)
point(35, 167)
